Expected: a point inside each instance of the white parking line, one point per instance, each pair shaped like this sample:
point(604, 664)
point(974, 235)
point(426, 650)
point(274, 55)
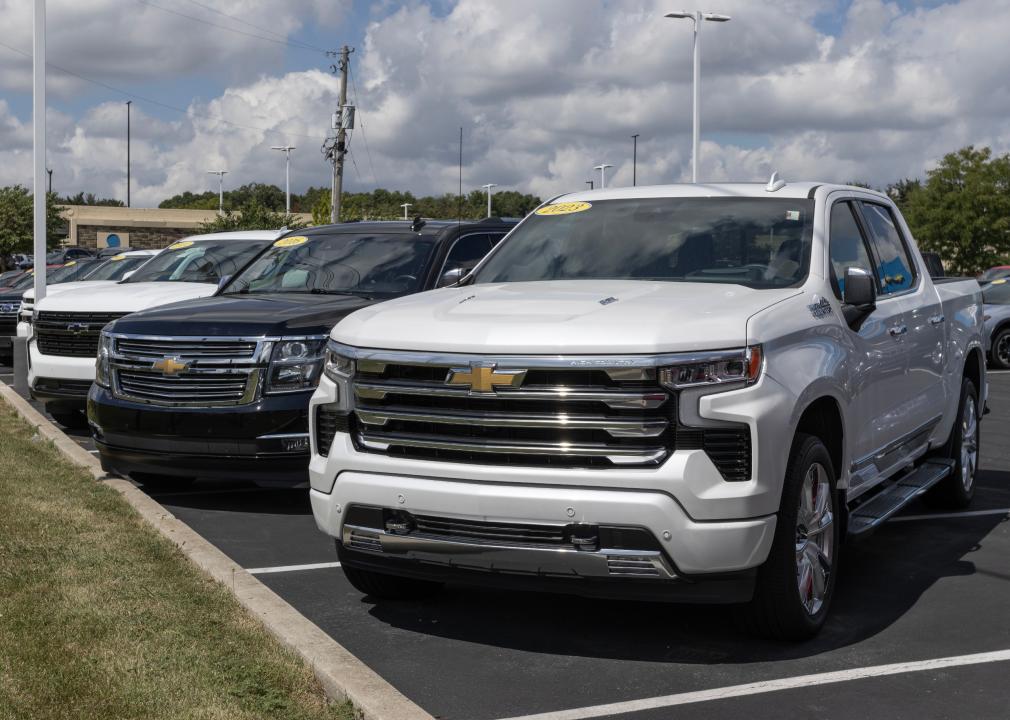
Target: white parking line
point(766, 686)
point(291, 568)
point(940, 516)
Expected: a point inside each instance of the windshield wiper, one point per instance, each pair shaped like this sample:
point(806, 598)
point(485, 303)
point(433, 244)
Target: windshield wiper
point(326, 291)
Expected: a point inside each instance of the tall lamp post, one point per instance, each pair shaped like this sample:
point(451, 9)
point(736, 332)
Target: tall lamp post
point(287, 175)
point(39, 146)
point(603, 173)
point(590, 184)
point(488, 186)
point(405, 206)
point(128, 103)
point(220, 188)
point(634, 160)
point(696, 17)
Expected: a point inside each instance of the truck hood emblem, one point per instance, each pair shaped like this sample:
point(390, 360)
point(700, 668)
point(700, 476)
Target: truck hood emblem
point(169, 366)
point(483, 379)
point(77, 328)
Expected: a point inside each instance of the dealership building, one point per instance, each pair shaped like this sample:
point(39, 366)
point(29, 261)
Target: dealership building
point(98, 226)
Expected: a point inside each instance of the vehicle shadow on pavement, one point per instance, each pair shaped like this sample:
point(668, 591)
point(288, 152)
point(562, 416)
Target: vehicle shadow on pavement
point(237, 497)
point(881, 579)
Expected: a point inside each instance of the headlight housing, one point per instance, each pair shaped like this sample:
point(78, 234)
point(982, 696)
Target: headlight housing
point(103, 371)
point(340, 369)
point(733, 366)
point(295, 365)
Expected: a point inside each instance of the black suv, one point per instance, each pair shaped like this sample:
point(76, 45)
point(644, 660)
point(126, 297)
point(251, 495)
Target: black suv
point(220, 386)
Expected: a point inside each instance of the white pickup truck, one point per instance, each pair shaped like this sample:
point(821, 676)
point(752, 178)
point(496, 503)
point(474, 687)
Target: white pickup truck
point(685, 392)
point(64, 344)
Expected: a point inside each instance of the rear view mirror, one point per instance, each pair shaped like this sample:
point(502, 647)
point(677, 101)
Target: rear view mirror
point(451, 277)
point(860, 290)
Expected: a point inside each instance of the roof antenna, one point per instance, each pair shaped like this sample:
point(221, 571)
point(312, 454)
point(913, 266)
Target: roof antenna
point(775, 183)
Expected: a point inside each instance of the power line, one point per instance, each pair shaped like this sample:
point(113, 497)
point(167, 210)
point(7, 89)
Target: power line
point(361, 122)
point(229, 29)
point(300, 43)
point(158, 103)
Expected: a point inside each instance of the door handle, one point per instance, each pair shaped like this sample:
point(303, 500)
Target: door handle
point(898, 330)
point(936, 319)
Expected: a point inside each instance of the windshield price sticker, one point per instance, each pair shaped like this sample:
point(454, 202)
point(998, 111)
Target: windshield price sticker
point(565, 208)
point(117, 258)
point(182, 245)
point(70, 264)
point(291, 241)
point(792, 214)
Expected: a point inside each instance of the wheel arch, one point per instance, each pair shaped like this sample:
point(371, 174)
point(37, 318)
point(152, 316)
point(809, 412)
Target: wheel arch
point(822, 417)
point(974, 367)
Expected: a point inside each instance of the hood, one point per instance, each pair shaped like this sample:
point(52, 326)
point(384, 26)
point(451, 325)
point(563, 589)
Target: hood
point(123, 297)
point(29, 295)
point(569, 316)
point(244, 315)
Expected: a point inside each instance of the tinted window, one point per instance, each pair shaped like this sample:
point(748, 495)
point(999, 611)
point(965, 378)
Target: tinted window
point(846, 246)
point(467, 251)
point(113, 269)
point(757, 242)
point(73, 270)
point(340, 263)
point(998, 293)
point(200, 261)
point(894, 269)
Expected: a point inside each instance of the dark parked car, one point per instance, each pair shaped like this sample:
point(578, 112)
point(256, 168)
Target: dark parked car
point(220, 386)
point(64, 255)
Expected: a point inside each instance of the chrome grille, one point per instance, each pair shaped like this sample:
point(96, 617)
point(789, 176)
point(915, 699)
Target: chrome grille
point(558, 416)
point(205, 371)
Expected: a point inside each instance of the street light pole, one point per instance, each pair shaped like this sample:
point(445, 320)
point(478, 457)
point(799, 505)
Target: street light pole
point(603, 174)
point(39, 146)
point(50, 186)
point(128, 103)
point(634, 160)
point(287, 175)
point(405, 206)
point(488, 186)
point(696, 17)
point(220, 188)
point(590, 184)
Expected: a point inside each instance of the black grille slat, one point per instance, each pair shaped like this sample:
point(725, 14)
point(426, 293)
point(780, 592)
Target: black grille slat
point(328, 423)
point(54, 336)
point(489, 533)
point(210, 348)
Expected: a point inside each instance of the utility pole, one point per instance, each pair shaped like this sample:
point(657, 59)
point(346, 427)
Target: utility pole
point(603, 173)
point(128, 103)
point(634, 160)
point(287, 175)
point(39, 146)
point(341, 144)
point(405, 206)
point(488, 186)
point(590, 184)
point(220, 188)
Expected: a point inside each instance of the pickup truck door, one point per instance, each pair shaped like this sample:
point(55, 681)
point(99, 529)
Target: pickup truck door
point(878, 352)
point(921, 329)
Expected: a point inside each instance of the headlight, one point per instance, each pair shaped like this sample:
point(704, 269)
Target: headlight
point(295, 365)
point(340, 369)
point(739, 366)
point(103, 373)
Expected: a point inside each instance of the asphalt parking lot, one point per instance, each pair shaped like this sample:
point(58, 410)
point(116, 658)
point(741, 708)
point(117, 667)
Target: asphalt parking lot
point(927, 586)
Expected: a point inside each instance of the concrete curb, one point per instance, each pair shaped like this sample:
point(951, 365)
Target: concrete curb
point(340, 673)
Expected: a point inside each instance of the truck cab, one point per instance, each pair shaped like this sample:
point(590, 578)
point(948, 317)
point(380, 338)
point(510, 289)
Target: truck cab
point(682, 392)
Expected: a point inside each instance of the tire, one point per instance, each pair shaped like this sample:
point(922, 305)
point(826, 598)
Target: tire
point(154, 482)
point(795, 585)
point(999, 354)
point(72, 419)
point(957, 489)
point(389, 587)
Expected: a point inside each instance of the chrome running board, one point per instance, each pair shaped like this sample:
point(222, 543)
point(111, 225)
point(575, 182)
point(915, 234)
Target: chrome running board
point(875, 511)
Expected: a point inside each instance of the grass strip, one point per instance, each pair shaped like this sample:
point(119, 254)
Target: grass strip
point(101, 617)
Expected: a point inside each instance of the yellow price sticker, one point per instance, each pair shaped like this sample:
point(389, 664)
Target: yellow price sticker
point(69, 264)
point(117, 258)
point(181, 245)
point(565, 208)
point(998, 282)
point(291, 241)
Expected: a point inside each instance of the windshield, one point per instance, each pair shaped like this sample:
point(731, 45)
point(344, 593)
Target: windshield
point(757, 242)
point(998, 293)
point(367, 264)
point(28, 280)
point(994, 273)
point(113, 269)
point(198, 261)
point(73, 270)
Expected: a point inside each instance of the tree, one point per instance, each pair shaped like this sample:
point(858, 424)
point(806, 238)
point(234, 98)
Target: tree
point(17, 223)
point(252, 216)
point(89, 199)
point(962, 211)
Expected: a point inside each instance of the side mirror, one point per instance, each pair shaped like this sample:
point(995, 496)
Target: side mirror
point(225, 279)
point(860, 291)
point(451, 277)
point(128, 275)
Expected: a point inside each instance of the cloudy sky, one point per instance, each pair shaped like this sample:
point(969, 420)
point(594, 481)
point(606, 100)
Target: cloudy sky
point(544, 89)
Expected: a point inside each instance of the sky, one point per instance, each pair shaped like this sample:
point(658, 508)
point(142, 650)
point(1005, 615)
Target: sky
point(853, 90)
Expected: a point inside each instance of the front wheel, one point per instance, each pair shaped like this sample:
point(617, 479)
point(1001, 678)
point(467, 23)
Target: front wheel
point(157, 483)
point(999, 355)
point(71, 419)
point(796, 584)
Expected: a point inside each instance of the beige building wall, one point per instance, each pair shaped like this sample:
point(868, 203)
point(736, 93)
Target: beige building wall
point(142, 227)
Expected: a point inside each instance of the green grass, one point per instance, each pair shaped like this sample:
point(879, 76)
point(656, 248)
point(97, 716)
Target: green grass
point(101, 617)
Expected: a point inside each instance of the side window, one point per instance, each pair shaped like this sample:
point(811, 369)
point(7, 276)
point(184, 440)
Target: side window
point(495, 238)
point(894, 271)
point(846, 246)
point(466, 252)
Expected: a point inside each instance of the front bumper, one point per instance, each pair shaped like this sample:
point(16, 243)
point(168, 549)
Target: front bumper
point(265, 441)
point(58, 380)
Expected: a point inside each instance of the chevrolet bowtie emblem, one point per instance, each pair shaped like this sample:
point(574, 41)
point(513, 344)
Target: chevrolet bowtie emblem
point(169, 366)
point(484, 379)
